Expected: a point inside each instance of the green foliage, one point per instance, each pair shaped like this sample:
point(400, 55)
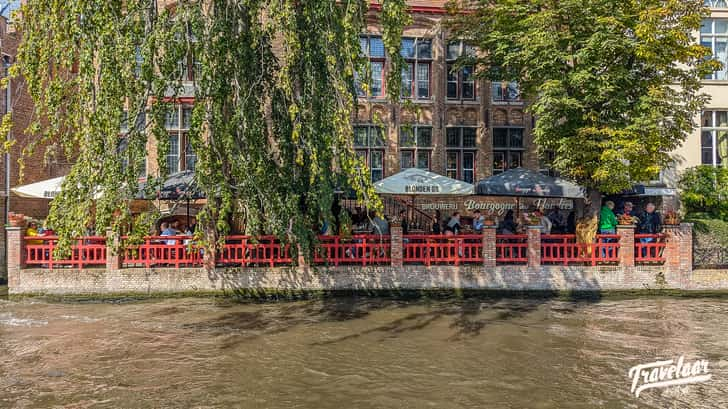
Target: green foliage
point(600, 75)
point(271, 130)
point(704, 189)
point(708, 231)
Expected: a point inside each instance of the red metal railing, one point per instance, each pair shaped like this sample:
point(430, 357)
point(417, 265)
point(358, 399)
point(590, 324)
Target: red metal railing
point(88, 251)
point(172, 251)
point(511, 249)
point(563, 249)
point(649, 248)
point(246, 251)
point(357, 249)
point(438, 249)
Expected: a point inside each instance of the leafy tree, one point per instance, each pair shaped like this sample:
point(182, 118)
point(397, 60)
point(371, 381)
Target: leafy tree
point(271, 127)
point(704, 189)
point(614, 84)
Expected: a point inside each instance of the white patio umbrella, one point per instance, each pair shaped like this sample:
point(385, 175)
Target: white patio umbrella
point(415, 181)
point(45, 189)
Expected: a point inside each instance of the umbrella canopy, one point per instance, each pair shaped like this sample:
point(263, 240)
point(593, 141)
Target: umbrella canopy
point(45, 189)
point(180, 185)
point(415, 181)
point(528, 183)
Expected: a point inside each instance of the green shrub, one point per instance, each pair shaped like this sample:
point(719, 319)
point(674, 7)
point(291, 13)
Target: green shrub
point(705, 190)
point(708, 232)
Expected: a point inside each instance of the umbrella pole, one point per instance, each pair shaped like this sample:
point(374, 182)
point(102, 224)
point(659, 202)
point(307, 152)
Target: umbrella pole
point(188, 212)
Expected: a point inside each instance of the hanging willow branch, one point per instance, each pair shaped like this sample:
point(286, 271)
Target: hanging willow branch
point(271, 125)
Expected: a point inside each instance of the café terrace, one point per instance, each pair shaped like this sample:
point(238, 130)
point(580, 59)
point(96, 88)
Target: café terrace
point(515, 189)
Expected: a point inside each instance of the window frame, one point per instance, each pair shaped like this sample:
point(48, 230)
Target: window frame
point(412, 65)
point(461, 151)
point(380, 60)
point(180, 130)
point(721, 75)
point(713, 129)
point(508, 150)
point(458, 79)
point(415, 150)
point(367, 150)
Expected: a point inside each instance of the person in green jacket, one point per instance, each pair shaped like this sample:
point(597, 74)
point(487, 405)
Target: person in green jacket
point(607, 225)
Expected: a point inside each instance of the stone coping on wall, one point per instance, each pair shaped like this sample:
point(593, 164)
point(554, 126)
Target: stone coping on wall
point(410, 277)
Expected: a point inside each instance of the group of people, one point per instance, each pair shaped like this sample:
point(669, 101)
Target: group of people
point(167, 229)
point(648, 221)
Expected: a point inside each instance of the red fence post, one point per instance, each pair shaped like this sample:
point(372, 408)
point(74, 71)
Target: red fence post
point(534, 246)
point(16, 254)
point(626, 245)
point(396, 254)
point(113, 251)
point(489, 246)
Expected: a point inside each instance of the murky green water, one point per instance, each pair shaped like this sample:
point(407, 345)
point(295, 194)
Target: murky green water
point(356, 353)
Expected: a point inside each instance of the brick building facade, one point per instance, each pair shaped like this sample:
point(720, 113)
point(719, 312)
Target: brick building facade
point(15, 99)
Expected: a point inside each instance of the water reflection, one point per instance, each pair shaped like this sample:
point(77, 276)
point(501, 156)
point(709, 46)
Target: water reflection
point(356, 353)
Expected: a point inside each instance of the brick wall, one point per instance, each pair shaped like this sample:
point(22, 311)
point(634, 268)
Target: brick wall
point(675, 273)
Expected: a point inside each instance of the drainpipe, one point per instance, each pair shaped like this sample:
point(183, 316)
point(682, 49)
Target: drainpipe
point(8, 109)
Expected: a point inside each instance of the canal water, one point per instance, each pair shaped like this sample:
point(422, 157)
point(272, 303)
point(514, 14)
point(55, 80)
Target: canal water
point(355, 352)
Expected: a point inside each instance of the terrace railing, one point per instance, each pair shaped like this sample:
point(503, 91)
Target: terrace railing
point(440, 249)
point(364, 250)
point(511, 249)
point(649, 248)
point(564, 249)
point(86, 252)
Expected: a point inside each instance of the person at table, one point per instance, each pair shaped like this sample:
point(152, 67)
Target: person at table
point(545, 222)
point(628, 209)
point(650, 223)
point(453, 225)
point(380, 225)
point(478, 222)
point(607, 223)
point(167, 230)
point(558, 225)
point(508, 225)
point(32, 231)
point(436, 229)
point(403, 220)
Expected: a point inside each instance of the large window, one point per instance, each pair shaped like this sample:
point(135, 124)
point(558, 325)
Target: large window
point(373, 48)
point(714, 35)
point(713, 137)
point(180, 156)
point(415, 147)
point(369, 145)
point(507, 149)
point(460, 154)
point(139, 125)
point(417, 53)
point(716, 4)
point(505, 91)
point(460, 83)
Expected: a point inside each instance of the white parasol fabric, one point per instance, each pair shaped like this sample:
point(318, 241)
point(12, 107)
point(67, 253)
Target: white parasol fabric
point(415, 181)
point(45, 189)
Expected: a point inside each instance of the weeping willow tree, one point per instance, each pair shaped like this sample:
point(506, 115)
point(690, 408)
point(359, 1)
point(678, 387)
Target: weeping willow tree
point(274, 90)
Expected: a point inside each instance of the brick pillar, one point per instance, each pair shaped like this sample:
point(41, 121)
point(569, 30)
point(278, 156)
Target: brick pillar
point(397, 253)
point(113, 251)
point(626, 245)
point(16, 254)
point(489, 247)
point(672, 246)
point(534, 246)
point(686, 247)
point(679, 247)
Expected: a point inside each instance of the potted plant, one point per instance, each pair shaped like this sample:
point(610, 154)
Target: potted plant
point(16, 219)
point(671, 218)
point(626, 220)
